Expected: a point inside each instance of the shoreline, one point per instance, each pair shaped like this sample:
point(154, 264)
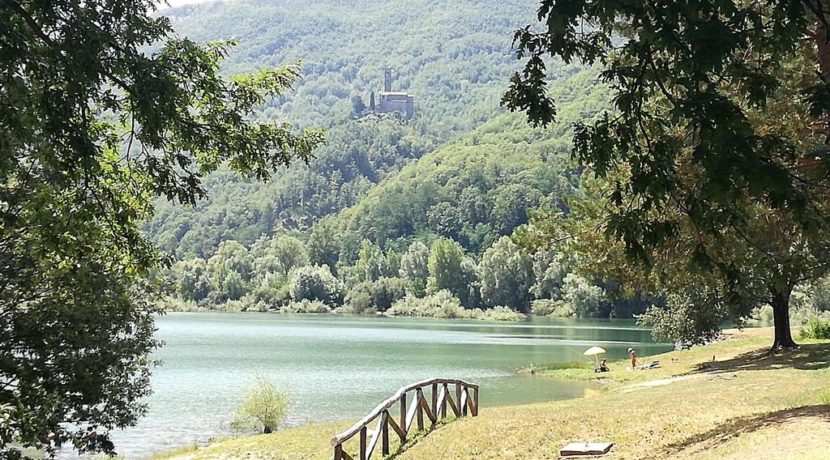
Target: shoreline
point(693, 406)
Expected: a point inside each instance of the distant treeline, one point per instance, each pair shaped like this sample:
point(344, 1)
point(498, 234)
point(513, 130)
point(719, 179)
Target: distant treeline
point(439, 279)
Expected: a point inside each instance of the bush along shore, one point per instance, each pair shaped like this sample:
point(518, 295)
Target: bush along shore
point(438, 305)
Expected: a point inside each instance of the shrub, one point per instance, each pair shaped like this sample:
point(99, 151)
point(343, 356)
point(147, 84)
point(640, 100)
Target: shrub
point(442, 304)
point(306, 306)
point(816, 328)
point(379, 294)
point(555, 308)
point(178, 304)
point(263, 407)
point(350, 310)
point(502, 313)
point(232, 306)
point(315, 283)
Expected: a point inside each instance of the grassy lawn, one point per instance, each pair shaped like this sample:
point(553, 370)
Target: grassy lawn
point(725, 400)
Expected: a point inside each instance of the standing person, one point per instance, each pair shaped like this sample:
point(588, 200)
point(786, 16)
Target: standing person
point(633, 355)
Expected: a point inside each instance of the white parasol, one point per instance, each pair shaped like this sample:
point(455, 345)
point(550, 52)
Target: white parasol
point(594, 351)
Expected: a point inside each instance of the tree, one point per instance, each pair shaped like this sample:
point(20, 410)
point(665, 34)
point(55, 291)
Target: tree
point(415, 267)
point(445, 271)
point(549, 275)
point(692, 317)
point(102, 109)
point(324, 245)
point(358, 106)
point(506, 275)
point(379, 294)
point(703, 169)
point(234, 257)
point(315, 283)
point(283, 254)
point(471, 279)
point(821, 294)
point(371, 263)
point(228, 272)
point(192, 279)
point(587, 300)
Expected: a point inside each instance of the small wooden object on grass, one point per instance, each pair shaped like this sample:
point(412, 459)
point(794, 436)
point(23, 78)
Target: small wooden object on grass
point(585, 448)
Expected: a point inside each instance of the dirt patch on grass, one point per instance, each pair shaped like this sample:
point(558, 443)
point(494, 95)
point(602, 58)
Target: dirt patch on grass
point(658, 382)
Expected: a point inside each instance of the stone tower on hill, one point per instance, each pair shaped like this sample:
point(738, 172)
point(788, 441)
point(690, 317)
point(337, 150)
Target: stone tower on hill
point(392, 101)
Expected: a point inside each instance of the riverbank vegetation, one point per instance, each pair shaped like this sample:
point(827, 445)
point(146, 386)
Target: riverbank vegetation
point(696, 406)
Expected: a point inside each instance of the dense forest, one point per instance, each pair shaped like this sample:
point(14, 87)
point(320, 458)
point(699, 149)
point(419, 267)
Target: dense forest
point(409, 216)
point(457, 78)
point(433, 239)
point(396, 215)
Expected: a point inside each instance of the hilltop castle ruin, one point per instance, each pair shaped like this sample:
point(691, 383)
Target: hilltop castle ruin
point(392, 101)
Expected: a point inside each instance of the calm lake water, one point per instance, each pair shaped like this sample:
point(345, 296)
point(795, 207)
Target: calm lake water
point(340, 367)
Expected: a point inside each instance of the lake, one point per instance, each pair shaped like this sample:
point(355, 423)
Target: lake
point(340, 367)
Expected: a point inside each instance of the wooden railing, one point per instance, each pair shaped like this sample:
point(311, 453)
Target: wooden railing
point(434, 407)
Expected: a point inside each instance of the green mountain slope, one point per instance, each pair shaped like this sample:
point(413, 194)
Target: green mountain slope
point(459, 200)
point(484, 184)
point(453, 56)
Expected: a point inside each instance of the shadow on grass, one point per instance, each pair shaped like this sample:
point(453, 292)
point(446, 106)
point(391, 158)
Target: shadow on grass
point(415, 437)
point(742, 425)
point(812, 356)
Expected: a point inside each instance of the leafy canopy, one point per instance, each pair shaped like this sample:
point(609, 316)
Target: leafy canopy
point(717, 150)
point(102, 108)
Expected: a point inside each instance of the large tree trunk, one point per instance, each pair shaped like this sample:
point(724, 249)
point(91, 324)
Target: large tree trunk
point(781, 317)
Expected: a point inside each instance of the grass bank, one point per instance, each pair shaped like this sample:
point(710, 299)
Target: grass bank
point(725, 400)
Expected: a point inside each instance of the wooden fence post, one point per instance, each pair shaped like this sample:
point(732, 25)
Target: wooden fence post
point(403, 426)
point(419, 414)
point(363, 443)
point(384, 427)
point(444, 402)
point(458, 399)
point(434, 402)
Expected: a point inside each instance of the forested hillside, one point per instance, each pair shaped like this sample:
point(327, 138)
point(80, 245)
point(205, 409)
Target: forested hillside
point(452, 55)
point(403, 216)
point(455, 57)
point(484, 184)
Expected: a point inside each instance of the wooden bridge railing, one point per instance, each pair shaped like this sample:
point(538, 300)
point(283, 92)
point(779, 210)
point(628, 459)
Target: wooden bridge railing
point(434, 407)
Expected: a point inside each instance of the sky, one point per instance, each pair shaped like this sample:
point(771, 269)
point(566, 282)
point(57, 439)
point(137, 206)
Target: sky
point(174, 3)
